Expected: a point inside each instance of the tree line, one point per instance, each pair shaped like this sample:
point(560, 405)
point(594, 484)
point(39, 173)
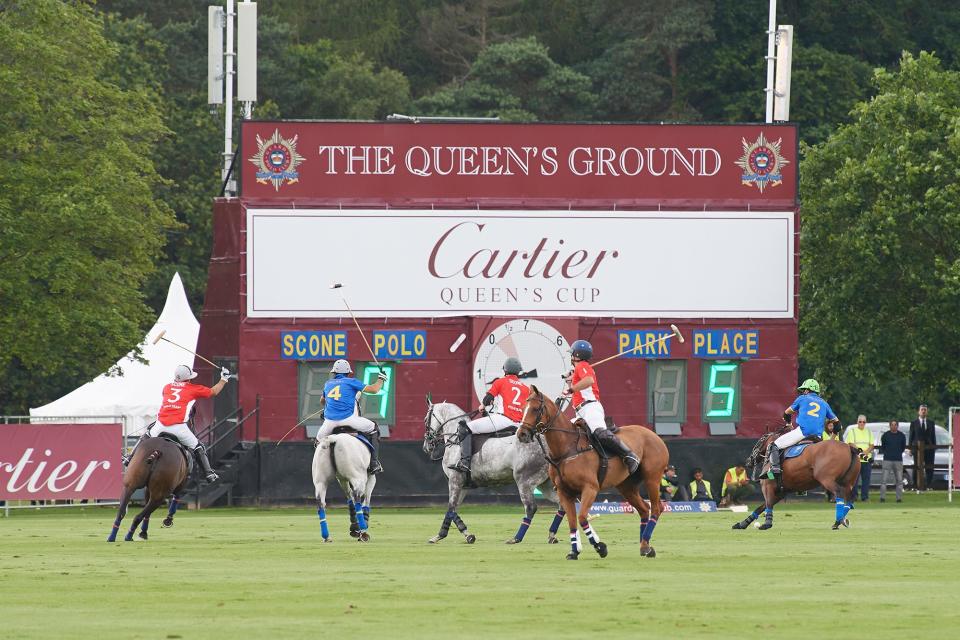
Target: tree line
point(113, 153)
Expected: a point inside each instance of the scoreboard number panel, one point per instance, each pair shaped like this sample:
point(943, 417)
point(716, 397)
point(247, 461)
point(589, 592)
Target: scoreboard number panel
point(667, 391)
point(721, 391)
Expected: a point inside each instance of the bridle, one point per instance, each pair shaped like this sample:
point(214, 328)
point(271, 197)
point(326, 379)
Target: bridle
point(436, 439)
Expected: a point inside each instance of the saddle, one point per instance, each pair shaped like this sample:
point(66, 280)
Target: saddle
point(356, 434)
point(186, 453)
point(479, 439)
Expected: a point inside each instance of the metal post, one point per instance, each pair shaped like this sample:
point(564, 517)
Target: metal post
point(259, 449)
point(950, 486)
point(771, 57)
point(228, 99)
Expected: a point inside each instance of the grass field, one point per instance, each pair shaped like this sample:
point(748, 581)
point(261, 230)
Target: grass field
point(238, 573)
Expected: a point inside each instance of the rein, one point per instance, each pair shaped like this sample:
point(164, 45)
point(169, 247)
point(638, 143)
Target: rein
point(434, 437)
point(541, 428)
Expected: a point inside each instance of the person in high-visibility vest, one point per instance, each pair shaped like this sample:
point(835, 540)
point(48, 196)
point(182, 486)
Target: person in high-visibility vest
point(862, 438)
point(736, 486)
point(700, 489)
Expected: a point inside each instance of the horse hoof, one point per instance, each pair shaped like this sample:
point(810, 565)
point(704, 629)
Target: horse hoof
point(470, 538)
point(572, 556)
point(601, 549)
point(354, 534)
point(128, 537)
point(765, 526)
point(552, 539)
point(436, 539)
point(739, 525)
point(363, 536)
point(649, 552)
point(512, 541)
point(325, 540)
point(167, 523)
point(846, 522)
point(143, 535)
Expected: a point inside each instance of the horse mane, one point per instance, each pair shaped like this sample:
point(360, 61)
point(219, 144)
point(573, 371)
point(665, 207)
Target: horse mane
point(760, 448)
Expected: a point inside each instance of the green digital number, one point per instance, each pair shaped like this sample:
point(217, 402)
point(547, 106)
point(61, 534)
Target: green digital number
point(370, 373)
point(720, 397)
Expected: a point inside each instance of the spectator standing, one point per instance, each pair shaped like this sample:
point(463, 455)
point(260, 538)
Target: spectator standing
point(862, 438)
point(736, 486)
point(923, 442)
point(892, 444)
point(699, 488)
point(670, 487)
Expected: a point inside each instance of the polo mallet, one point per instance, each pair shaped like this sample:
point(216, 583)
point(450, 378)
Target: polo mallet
point(338, 285)
point(160, 337)
point(312, 415)
point(675, 333)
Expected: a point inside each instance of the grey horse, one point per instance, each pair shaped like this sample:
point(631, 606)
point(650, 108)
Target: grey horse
point(502, 461)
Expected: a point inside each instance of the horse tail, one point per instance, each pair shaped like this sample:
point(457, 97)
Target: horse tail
point(853, 461)
point(151, 459)
point(333, 456)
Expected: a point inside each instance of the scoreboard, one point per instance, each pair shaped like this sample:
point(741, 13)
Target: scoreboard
point(460, 245)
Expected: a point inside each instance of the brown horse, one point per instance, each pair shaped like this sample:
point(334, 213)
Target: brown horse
point(159, 465)
point(575, 465)
point(830, 463)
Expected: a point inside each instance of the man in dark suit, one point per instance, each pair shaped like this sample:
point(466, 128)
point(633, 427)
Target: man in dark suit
point(923, 434)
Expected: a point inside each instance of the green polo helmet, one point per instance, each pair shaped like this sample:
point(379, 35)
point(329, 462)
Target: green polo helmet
point(810, 385)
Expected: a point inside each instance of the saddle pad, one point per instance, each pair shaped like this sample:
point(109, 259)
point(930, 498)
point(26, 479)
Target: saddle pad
point(481, 438)
point(795, 450)
point(359, 436)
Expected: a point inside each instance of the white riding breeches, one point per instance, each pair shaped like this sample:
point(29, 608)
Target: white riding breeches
point(789, 439)
point(182, 431)
point(490, 423)
point(355, 422)
point(593, 414)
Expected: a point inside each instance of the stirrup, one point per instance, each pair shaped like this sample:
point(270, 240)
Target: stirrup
point(460, 466)
point(212, 476)
point(375, 468)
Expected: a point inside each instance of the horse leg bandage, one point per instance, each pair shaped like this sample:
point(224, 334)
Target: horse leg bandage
point(574, 541)
point(324, 530)
point(522, 531)
point(591, 534)
point(648, 530)
point(643, 525)
point(461, 525)
point(557, 519)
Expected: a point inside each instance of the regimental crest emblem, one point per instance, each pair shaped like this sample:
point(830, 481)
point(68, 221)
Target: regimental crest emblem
point(762, 163)
point(276, 160)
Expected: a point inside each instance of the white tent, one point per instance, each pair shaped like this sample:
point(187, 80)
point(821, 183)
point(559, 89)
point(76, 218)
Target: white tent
point(134, 395)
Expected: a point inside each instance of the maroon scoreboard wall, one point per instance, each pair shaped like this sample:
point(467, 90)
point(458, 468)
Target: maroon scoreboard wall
point(459, 245)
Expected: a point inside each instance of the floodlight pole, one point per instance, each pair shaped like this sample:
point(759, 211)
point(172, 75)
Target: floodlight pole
point(771, 56)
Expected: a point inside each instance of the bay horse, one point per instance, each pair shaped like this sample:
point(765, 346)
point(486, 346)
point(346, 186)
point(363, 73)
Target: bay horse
point(161, 467)
point(343, 458)
point(499, 462)
point(829, 463)
point(575, 467)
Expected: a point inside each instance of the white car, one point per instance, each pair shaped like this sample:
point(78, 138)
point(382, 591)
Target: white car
point(941, 458)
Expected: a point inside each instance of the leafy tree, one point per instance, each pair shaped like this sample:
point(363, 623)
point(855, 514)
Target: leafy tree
point(881, 245)
point(81, 225)
point(517, 81)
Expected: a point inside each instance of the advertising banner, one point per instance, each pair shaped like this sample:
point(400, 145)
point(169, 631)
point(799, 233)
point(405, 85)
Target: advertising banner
point(60, 461)
point(604, 508)
point(625, 264)
point(451, 164)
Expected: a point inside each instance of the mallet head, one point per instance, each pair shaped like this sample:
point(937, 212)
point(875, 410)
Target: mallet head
point(159, 335)
point(336, 285)
point(677, 333)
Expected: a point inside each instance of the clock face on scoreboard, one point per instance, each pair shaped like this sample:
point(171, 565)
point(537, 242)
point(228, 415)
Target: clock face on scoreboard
point(543, 352)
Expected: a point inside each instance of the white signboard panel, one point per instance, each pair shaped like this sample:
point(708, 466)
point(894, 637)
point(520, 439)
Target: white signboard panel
point(415, 263)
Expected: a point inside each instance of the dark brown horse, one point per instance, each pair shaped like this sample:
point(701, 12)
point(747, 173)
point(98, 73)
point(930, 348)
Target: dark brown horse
point(830, 463)
point(575, 464)
point(160, 466)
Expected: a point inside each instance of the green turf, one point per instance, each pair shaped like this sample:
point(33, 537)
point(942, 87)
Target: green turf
point(235, 573)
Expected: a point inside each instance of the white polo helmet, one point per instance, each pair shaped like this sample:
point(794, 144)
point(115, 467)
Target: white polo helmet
point(341, 366)
point(184, 373)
